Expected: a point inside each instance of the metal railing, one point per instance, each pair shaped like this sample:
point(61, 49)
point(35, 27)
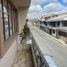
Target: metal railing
point(39, 57)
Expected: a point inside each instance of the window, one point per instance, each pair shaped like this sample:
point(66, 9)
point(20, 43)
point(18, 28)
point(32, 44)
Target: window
point(62, 33)
point(15, 17)
point(13, 20)
point(8, 25)
point(6, 32)
point(5, 6)
point(45, 23)
point(58, 23)
point(0, 6)
point(65, 23)
point(9, 19)
point(5, 20)
point(53, 31)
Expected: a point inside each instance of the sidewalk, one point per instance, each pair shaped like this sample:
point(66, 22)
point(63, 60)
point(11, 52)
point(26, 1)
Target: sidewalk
point(59, 40)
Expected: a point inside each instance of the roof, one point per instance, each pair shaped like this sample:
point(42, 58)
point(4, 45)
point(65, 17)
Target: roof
point(62, 17)
point(58, 18)
point(55, 17)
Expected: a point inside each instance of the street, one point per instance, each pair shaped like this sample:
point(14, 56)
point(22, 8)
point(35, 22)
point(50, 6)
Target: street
point(50, 46)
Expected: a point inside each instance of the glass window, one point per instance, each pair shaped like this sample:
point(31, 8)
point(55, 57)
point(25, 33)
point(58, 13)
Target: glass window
point(5, 6)
point(9, 19)
point(58, 23)
point(53, 31)
point(9, 8)
point(0, 6)
point(62, 33)
point(14, 21)
point(8, 22)
point(64, 23)
point(10, 25)
point(6, 26)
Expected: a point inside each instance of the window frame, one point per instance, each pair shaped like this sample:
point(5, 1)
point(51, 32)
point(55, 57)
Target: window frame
point(5, 44)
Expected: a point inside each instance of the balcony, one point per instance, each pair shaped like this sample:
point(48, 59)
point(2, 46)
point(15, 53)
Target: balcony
point(29, 54)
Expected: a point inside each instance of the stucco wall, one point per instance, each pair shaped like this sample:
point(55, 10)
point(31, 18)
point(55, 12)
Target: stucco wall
point(8, 58)
point(22, 15)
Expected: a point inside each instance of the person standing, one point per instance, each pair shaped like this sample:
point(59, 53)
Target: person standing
point(26, 31)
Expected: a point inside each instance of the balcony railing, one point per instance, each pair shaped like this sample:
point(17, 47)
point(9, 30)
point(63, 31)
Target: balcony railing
point(40, 61)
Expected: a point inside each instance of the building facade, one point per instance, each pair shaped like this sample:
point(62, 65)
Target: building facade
point(13, 14)
point(56, 26)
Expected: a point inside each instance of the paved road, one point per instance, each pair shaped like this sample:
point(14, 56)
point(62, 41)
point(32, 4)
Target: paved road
point(50, 46)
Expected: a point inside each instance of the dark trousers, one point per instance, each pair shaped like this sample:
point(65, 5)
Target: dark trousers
point(24, 36)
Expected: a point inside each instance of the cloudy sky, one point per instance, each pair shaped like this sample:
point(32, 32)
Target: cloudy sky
point(42, 7)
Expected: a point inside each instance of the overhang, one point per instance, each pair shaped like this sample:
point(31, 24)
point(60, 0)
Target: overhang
point(21, 3)
point(59, 18)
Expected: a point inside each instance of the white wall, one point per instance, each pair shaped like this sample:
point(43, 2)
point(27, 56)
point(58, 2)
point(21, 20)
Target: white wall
point(8, 58)
point(22, 15)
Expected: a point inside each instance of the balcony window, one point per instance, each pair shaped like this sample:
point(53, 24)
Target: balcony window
point(8, 24)
point(9, 8)
point(9, 19)
point(0, 6)
point(53, 31)
point(6, 27)
point(15, 17)
point(58, 23)
point(62, 33)
point(65, 23)
point(5, 6)
point(13, 20)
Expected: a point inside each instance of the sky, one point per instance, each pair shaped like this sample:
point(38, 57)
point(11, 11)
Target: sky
point(43, 7)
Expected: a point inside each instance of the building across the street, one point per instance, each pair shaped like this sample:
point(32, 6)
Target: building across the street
point(55, 25)
point(13, 14)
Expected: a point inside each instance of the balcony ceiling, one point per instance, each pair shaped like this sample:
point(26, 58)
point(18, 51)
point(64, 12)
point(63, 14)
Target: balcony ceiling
point(21, 3)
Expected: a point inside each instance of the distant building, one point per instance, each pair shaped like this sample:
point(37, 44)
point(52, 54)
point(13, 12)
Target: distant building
point(56, 25)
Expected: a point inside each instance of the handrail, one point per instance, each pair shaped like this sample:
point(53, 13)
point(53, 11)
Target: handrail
point(39, 57)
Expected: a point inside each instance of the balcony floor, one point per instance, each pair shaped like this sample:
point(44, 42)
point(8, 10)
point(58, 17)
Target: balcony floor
point(23, 56)
point(23, 59)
